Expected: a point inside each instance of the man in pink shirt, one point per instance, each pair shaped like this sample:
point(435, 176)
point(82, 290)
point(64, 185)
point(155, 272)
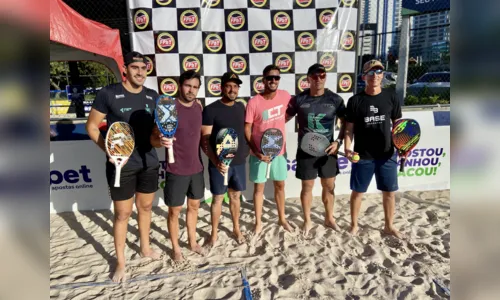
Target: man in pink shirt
point(264, 111)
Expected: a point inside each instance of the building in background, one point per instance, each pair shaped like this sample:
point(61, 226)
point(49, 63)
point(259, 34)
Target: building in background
point(430, 36)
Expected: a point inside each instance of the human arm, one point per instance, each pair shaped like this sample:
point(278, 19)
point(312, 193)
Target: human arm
point(92, 126)
point(157, 140)
point(291, 109)
point(206, 131)
point(349, 129)
point(251, 144)
point(396, 109)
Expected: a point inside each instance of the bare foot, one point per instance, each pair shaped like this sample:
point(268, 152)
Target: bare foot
point(306, 227)
point(210, 243)
point(354, 230)
point(198, 249)
point(285, 226)
point(257, 229)
point(177, 255)
point(332, 224)
point(392, 231)
point(151, 254)
point(238, 236)
point(119, 274)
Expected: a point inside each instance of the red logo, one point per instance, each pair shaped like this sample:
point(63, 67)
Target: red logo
point(236, 20)
point(214, 86)
point(141, 19)
point(168, 88)
point(189, 20)
point(258, 85)
point(282, 20)
point(306, 41)
point(260, 41)
point(345, 83)
point(284, 62)
point(238, 64)
point(191, 63)
point(304, 84)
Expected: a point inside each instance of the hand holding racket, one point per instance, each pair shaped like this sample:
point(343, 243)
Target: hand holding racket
point(271, 145)
point(120, 144)
point(405, 136)
point(166, 120)
point(226, 147)
point(316, 144)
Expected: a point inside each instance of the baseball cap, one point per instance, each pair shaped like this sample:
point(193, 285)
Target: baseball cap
point(133, 57)
point(371, 65)
point(230, 76)
point(315, 69)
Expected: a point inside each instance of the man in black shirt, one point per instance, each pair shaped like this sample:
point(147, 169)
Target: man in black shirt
point(369, 118)
point(317, 110)
point(226, 113)
point(132, 103)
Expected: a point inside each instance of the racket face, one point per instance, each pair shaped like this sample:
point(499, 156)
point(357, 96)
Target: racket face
point(226, 144)
point(120, 140)
point(166, 115)
point(314, 144)
point(405, 135)
point(271, 142)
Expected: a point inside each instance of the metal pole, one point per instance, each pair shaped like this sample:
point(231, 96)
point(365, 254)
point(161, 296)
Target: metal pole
point(404, 47)
point(130, 20)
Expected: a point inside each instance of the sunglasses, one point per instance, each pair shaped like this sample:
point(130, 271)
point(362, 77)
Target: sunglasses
point(271, 77)
point(372, 72)
point(317, 76)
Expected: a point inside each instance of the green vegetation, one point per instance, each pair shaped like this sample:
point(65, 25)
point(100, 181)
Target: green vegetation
point(429, 100)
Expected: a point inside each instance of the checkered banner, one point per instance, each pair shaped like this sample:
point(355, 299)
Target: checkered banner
point(215, 36)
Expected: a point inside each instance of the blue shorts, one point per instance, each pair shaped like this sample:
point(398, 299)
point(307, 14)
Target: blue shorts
point(385, 170)
point(236, 180)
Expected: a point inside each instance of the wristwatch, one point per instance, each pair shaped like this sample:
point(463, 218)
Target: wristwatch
point(339, 141)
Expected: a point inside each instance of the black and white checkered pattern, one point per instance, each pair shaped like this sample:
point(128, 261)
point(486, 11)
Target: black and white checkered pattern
point(214, 36)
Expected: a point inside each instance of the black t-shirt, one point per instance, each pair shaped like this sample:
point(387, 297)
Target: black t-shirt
point(316, 114)
point(372, 117)
point(220, 116)
point(136, 109)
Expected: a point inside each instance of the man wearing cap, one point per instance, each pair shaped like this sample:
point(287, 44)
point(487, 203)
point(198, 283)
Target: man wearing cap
point(369, 118)
point(225, 113)
point(129, 102)
point(317, 110)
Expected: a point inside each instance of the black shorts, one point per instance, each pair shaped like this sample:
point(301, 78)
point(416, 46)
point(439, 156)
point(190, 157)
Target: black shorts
point(132, 180)
point(309, 167)
point(177, 187)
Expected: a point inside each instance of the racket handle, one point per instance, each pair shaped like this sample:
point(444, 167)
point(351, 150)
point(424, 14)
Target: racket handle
point(117, 175)
point(225, 178)
point(171, 155)
point(402, 166)
point(268, 172)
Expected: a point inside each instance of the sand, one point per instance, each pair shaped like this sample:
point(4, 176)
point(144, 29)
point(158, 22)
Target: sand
point(279, 265)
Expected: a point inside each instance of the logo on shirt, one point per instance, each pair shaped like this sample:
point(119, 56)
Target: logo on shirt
point(377, 119)
point(282, 20)
point(272, 113)
point(236, 20)
point(373, 109)
point(119, 96)
point(314, 122)
point(147, 108)
point(125, 109)
point(149, 97)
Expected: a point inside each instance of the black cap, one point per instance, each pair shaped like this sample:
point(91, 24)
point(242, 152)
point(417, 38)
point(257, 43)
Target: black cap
point(133, 57)
point(230, 76)
point(316, 68)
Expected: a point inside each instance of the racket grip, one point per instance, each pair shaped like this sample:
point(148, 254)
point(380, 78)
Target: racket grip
point(402, 165)
point(268, 171)
point(117, 176)
point(171, 155)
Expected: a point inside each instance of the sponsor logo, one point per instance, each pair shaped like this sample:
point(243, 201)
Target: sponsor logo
point(373, 109)
point(168, 86)
point(149, 97)
point(258, 85)
point(238, 64)
point(141, 19)
point(303, 3)
point(214, 87)
point(347, 40)
point(210, 3)
point(189, 19)
point(125, 109)
point(305, 40)
point(191, 63)
point(347, 3)
point(328, 61)
point(302, 83)
point(259, 3)
point(326, 16)
point(149, 66)
point(374, 119)
point(236, 20)
point(213, 42)
point(163, 2)
point(260, 41)
point(272, 113)
point(345, 83)
point(284, 62)
point(282, 20)
point(69, 179)
point(165, 42)
point(119, 96)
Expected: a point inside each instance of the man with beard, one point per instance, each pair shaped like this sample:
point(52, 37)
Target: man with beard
point(132, 103)
point(317, 110)
point(184, 178)
point(226, 113)
point(264, 111)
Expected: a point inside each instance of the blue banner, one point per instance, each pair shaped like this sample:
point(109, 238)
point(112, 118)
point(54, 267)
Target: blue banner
point(415, 7)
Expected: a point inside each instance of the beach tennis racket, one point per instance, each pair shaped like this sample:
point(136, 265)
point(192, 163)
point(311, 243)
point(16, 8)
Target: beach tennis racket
point(315, 144)
point(166, 120)
point(120, 144)
point(226, 147)
point(405, 136)
point(271, 145)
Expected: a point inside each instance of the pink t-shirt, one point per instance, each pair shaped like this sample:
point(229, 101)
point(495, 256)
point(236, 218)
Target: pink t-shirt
point(265, 114)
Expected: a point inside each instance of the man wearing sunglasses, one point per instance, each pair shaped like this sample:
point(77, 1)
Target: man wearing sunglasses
point(317, 110)
point(264, 111)
point(369, 118)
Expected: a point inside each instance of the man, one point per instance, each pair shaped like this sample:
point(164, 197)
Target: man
point(184, 178)
point(133, 103)
point(226, 113)
point(368, 119)
point(317, 109)
point(264, 111)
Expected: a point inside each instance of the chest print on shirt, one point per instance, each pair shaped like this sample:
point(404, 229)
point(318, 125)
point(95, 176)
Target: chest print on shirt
point(272, 113)
point(125, 109)
point(376, 119)
point(314, 122)
point(148, 109)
